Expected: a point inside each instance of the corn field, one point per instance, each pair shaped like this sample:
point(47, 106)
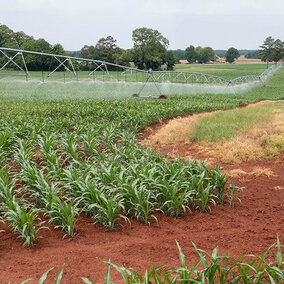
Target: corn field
point(61, 159)
point(64, 156)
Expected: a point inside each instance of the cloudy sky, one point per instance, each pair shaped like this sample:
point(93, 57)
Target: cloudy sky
point(216, 23)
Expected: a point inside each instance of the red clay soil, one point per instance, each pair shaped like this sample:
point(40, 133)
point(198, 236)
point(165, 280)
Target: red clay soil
point(249, 227)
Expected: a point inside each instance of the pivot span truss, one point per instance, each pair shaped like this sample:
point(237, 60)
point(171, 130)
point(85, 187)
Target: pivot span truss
point(106, 71)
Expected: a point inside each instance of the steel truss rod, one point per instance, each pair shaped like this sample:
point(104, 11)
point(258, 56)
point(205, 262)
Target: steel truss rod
point(155, 76)
point(100, 67)
point(197, 74)
point(150, 75)
point(71, 57)
point(11, 59)
point(62, 63)
point(24, 61)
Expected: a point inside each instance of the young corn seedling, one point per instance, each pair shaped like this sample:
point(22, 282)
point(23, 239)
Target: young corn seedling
point(70, 144)
point(172, 200)
point(109, 134)
point(219, 181)
point(62, 213)
point(108, 210)
point(202, 194)
point(47, 144)
point(22, 218)
point(232, 194)
point(91, 143)
point(216, 268)
point(139, 202)
point(44, 276)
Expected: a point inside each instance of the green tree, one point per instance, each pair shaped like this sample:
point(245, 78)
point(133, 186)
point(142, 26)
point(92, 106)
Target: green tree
point(106, 49)
point(267, 49)
point(6, 36)
point(206, 54)
point(58, 49)
point(190, 54)
point(278, 50)
point(179, 53)
point(36, 62)
point(122, 57)
point(232, 54)
point(253, 54)
point(170, 60)
point(149, 48)
point(87, 51)
point(19, 38)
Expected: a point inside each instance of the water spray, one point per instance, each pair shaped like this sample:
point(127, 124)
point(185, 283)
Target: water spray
point(159, 79)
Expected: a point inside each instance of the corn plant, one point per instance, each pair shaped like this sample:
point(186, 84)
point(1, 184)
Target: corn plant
point(91, 142)
point(203, 195)
point(140, 203)
point(219, 183)
point(209, 268)
point(107, 210)
point(70, 144)
point(232, 194)
point(22, 217)
point(62, 213)
point(172, 200)
point(6, 141)
point(47, 144)
point(44, 276)
point(96, 164)
point(23, 220)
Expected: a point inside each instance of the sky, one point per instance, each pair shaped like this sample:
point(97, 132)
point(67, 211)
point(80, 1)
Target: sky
point(220, 24)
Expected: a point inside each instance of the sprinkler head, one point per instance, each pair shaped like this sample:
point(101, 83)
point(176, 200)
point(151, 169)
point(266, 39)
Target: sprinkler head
point(162, 96)
point(135, 95)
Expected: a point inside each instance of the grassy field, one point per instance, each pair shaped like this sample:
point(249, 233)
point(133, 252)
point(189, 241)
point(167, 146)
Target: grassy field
point(212, 128)
point(227, 71)
point(72, 151)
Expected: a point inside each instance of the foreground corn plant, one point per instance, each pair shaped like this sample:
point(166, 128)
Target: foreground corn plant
point(209, 268)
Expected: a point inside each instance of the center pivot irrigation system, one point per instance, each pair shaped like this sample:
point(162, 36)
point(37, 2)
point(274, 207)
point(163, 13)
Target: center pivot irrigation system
point(105, 71)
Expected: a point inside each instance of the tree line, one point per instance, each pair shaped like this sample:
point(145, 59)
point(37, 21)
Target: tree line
point(20, 40)
point(149, 51)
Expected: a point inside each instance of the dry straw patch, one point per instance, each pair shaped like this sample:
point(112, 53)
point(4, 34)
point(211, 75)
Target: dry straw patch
point(257, 142)
point(177, 130)
point(257, 171)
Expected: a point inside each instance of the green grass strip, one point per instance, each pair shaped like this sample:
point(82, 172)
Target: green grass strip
point(226, 124)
